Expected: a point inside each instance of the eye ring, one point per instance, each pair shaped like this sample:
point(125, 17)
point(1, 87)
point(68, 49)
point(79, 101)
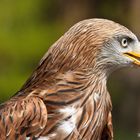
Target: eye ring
point(124, 43)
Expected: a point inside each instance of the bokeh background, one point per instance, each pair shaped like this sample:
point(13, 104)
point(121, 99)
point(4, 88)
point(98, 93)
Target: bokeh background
point(29, 27)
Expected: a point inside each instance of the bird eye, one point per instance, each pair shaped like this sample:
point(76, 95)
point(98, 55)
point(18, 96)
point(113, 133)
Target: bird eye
point(124, 42)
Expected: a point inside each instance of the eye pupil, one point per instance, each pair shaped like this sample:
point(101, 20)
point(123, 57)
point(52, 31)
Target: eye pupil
point(124, 42)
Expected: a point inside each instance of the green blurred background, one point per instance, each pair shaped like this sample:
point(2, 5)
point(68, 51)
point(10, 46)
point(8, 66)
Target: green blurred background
point(29, 27)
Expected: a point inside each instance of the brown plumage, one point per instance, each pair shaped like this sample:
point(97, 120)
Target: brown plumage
point(66, 97)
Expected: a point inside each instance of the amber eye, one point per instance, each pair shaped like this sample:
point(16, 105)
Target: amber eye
point(124, 43)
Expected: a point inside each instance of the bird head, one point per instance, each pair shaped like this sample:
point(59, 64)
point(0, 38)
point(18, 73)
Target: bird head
point(120, 47)
point(97, 44)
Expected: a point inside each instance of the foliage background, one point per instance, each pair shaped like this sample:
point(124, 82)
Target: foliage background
point(29, 27)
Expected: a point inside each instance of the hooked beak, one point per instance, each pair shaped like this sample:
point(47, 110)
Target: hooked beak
point(134, 56)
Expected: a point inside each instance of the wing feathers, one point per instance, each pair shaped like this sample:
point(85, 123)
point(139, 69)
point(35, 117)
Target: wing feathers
point(23, 117)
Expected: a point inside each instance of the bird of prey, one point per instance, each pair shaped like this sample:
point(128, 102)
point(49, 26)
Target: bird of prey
point(66, 97)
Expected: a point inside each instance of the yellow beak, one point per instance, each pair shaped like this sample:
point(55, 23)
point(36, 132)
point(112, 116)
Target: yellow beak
point(134, 56)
